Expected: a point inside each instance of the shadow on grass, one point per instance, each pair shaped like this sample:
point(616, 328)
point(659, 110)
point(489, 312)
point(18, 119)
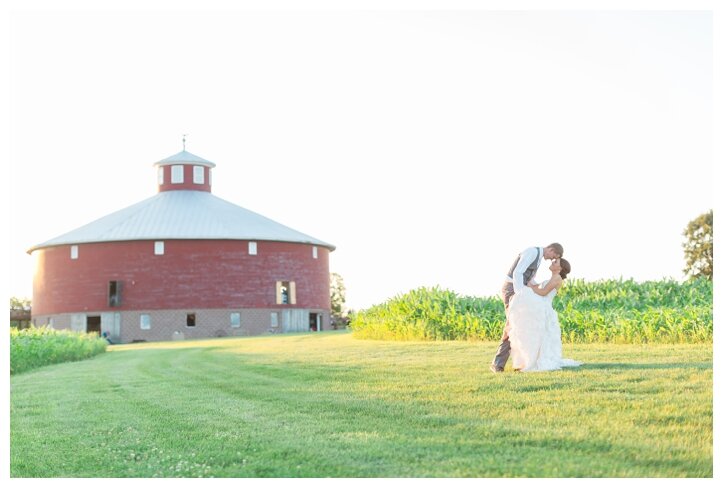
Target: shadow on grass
point(632, 366)
point(219, 342)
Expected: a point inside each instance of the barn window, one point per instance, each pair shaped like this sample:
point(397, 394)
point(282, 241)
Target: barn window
point(198, 175)
point(190, 320)
point(253, 250)
point(160, 175)
point(159, 248)
point(315, 252)
point(73, 252)
point(145, 321)
point(114, 293)
point(274, 319)
point(285, 292)
point(177, 174)
point(235, 319)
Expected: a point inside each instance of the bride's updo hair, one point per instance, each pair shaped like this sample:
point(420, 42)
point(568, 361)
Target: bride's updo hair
point(565, 265)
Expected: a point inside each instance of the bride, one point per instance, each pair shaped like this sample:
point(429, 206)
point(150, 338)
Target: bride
point(535, 335)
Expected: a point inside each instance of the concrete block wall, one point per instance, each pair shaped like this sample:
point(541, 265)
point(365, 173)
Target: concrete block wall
point(168, 325)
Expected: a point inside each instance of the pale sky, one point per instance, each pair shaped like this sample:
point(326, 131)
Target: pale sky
point(429, 146)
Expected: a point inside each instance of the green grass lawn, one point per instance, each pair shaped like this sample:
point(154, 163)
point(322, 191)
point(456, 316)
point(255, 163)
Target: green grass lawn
point(318, 405)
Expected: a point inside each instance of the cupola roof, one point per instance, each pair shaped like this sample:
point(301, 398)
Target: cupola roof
point(185, 157)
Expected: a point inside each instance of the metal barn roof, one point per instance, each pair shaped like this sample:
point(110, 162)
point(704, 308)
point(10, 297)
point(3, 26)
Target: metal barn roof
point(182, 215)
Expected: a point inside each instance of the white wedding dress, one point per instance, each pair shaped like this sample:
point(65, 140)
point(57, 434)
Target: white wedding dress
point(534, 332)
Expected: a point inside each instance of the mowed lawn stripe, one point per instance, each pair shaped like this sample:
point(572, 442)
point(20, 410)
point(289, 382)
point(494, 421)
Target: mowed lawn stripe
point(317, 405)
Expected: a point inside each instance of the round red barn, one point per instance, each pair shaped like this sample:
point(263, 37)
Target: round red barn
point(182, 264)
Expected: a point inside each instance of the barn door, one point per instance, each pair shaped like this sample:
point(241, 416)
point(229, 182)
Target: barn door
point(110, 324)
point(285, 320)
point(295, 320)
point(314, 322)
point(92, 324)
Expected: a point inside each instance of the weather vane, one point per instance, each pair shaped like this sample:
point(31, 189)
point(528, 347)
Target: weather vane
point(184, 141)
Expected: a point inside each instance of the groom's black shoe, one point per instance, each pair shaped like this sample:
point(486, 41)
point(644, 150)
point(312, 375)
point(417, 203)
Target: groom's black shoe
point(495, 369)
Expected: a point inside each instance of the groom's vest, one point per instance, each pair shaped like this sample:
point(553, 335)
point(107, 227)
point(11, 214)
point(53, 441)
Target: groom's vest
point(529, 272)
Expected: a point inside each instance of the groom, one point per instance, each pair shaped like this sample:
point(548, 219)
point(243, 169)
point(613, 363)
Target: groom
point(520, 274)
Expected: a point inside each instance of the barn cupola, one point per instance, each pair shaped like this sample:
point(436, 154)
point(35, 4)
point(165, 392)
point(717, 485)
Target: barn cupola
point(184, 171)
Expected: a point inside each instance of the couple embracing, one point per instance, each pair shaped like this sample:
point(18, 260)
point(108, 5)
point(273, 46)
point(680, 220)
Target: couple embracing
point(532, 331)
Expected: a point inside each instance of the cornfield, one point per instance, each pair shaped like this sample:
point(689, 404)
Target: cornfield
point(621, 311)
point(35, 347)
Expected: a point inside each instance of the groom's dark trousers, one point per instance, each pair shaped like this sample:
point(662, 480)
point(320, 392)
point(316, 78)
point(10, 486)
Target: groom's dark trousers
point(503, 350)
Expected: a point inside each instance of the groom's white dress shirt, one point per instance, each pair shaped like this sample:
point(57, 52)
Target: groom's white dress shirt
point(527, 257)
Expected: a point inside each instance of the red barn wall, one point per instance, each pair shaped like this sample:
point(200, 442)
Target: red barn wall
point(193, 274)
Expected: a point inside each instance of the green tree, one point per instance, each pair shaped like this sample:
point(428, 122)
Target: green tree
point(19, 312)
point(698, 247)
point(338, 299)
point(19, 303)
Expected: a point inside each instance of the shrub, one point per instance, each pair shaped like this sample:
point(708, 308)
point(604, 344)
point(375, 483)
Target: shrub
point(35, 347)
